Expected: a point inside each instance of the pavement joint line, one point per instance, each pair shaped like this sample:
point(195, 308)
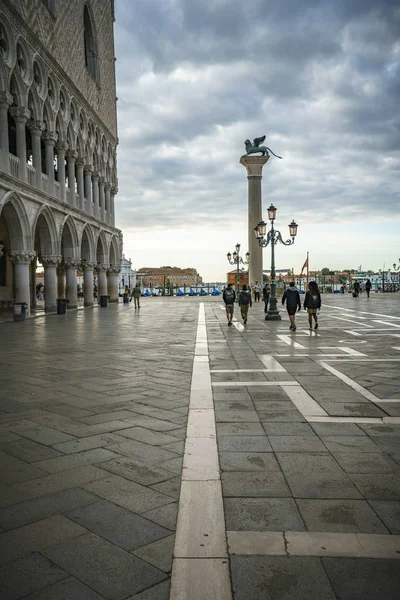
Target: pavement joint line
point(286, 339)
point(305, 543)
point(200, 566)
point(350, 321)
point(252, 383)
point(350, 382)
point(368, 420)
point(363, 312)
point(271, 363)
point(387, 324)
point(304, 403)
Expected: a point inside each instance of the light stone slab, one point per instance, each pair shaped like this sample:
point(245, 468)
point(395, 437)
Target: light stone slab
point(252, 383)
point(200, 461)
point(273, 366)
point(201, 424)
point(304, 402)
point(201, 526)
point(251, 543)
point(290, 342)
point(200, 579)
point(346, 419)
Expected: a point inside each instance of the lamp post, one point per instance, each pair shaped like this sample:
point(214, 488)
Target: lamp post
point(273, 237)
point(237, 260)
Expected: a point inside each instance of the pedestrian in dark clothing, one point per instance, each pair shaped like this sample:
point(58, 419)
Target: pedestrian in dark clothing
point(229, 298)
point(266, 297)
point(368, 286)
point(356, 289)
point(312, 303)
point(244, 302)
point(292, 299)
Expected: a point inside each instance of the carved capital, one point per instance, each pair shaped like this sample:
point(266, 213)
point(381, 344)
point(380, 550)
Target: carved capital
point(115, 270)
point(62, 147)
point(107, 185)
point(114, 191)
point(71, 263)
point(254, 164)
point(102, 180)
point(72, 154)
point(22, 258)
point(5, 100)
point(80, 163)
point(95, 175)
point(20, 114)
point(36, 127)
point(50, 261)
point(88, 265)
point(50, 137)
point(88, 169)
point(102, 267)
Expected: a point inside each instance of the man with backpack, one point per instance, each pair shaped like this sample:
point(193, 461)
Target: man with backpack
point(244, 302)
point(292, 299)
point(229, 298)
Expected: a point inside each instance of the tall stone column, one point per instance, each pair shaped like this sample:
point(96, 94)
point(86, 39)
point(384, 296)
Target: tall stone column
point(61, 281)
point(36, 129)
point(88, 188)
point(102, 199)
point(50, 138)
point(114, 191)
point(112, 282)
point(22, 261)
point(88, 282)
point(61, 150)
point(107, 194)
point(72, 155)
point(80, 182)
point(95, 190)
point(33, 283)
point(254, 165)
point(71, 267)
point(50, 264)
point(21, 115)
point(102, 280)
point(5, 101)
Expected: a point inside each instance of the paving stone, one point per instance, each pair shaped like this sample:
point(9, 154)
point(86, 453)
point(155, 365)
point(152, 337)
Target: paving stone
point(378, 486)
point(288, 416)
point(248, 461)
point(287, 429)
point(9, 495)
point(96, 441)
point(244, 444)
point(158, 592)
point(105, 417)
point(117, 525)
point(366, 462)
point(28, 451)
point(177, 447)
point(37, 536)
point(343, 443)
point(174, 465)
point(337, 429)
point(158, 554)
point(389, 512)
point(41, 434)
point(262, 514)
point(72, 461)
point(351, 409)
point(179, 434)
point(378, 429)
point(59, 481)
point(172, 487)
point(362, 578)
point(236, 416)
point(271, 484)
point(137, 471)
point(165, 516)
point(66, 589)
point(99, 564)
point(296, 443)
point(142, 452)
point(388, 443)
point(342, 516)
point(236, 429)
point(25, 575)
point(43, 507)
point(154, 438)
point(13, 470)
point(127, 494)
point(229, 404)
point(279, 578)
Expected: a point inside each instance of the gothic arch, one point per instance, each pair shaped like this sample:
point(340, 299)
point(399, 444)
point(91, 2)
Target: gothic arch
point(18, 89)
point(101, 248)
point(44, 232)
point(15, 215)
point(69, 240)
point(88, 245)
point(34, 104)
point(114, 257)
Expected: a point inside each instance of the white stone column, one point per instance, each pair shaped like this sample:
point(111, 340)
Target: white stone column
point(107, 202)
point(50, 264)
point(72, 155)
point(71, 267)
point(36, 129)
point(254, 165)
point(61, 281)
point(95, 190)
point(102, 288)
point(112, 206)
point(88, 188)
point(88, 282)
point(80, 182)
point(61, 148)
point(33, 283)
point(102, 199)
point(22, 261)
point(5, 101)
point(50, 138)
point(21, 115)
point(112, 283)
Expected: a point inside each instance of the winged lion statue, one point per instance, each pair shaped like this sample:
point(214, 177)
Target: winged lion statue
point(255, 147)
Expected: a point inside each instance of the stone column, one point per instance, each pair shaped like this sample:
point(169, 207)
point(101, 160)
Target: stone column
point(112, 283)
point(33, 283)
point(71, 267)
point(72, 155)
point(22, 261)
point(88, 282)
point(102, 288)
point(80, 182)
point(61, 281)
point(254, 165)
point(50, 138)
point(112, 206)
point(21, 115)
point(5, 101)
point(107, 194)
point(61, 148)
point(102, 200)
point(50, 264)
point(36, 129)
point(88, 187)
point(95, 189)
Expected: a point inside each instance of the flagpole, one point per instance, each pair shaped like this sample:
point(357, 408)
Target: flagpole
point(308, 269)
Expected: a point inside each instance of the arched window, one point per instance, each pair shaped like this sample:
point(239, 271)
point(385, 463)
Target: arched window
point(91, 56)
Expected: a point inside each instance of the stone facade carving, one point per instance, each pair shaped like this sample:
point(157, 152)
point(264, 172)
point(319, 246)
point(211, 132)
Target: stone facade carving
point(22, 258)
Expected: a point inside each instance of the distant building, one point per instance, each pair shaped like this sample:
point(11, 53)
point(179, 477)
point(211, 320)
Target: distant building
point(168, 276)
point(231, 277)
point(127, 275)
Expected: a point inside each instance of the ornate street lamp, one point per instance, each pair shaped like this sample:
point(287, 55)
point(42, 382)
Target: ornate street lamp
point(238, 260)
point(273, 237)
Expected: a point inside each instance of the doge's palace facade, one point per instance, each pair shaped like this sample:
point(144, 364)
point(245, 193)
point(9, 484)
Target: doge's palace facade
point(58, 139)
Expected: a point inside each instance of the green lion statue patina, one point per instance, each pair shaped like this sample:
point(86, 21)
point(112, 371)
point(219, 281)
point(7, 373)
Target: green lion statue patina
point(255, 147)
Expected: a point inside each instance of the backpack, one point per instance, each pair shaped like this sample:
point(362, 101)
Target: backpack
point(314, 301)
point(229, 295)
point(244, 298)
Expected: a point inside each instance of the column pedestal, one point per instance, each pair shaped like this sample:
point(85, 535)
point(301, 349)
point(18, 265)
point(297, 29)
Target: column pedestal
point(112, 282)
point(254, 165)
point(22, 262)
point(50, 264)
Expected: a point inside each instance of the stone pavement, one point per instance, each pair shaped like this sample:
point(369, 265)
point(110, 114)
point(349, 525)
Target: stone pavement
point(290, 485)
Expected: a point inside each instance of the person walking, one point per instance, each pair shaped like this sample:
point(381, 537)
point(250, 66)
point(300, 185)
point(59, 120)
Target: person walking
point(368, 286)
point(292, 298)
point(312, 303)
point(266, 297)
point(136, 293)
point(229, 298)
point(244, 302)
point(356, 289)
point(257, 290)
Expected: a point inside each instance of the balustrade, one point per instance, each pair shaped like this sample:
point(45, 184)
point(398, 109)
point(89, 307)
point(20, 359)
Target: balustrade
point(14, 166)
point(31, 175)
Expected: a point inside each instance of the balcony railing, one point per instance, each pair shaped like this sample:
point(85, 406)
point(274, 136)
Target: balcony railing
point(31, 175)
point(14, 166)
point(45, 183)
point(57, 193)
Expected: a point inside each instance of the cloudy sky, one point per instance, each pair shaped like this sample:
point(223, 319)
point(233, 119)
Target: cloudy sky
point(321, 79)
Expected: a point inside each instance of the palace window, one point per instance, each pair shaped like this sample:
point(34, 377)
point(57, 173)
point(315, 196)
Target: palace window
point(91, 55)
